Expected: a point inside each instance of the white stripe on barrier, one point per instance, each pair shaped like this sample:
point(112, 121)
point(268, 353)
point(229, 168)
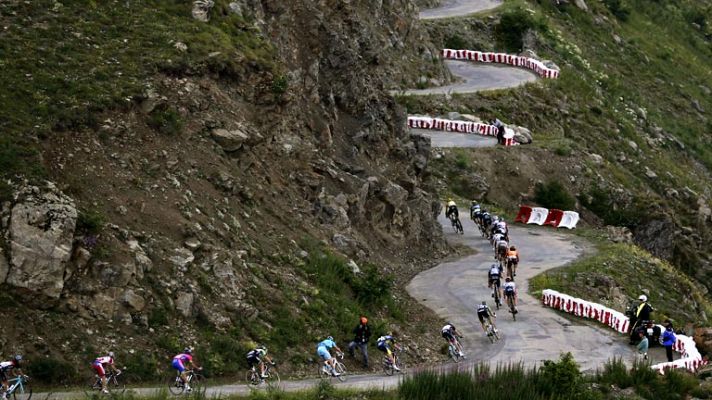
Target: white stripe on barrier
point(501, 58)
point(691, 358)
point(458, 126)
point(538, 216)
point(569, 220)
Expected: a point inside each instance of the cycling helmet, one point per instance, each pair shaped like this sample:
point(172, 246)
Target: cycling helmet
point(508, 279)
point(449, 199)
point(484, 303)
point(18, 357)
point(512, 248)
point(111, 354)
point(262, 347)
point(643, 297)
point(188, 350)
point(330, 338)
point(364, 320)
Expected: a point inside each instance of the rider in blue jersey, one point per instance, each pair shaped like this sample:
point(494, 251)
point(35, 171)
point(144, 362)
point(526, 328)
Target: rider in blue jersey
point(322, 349)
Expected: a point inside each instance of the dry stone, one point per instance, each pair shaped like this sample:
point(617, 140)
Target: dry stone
point(184, 304)
point(230, 140)
point(133, 300)
point(4, 266)
point(41, 230)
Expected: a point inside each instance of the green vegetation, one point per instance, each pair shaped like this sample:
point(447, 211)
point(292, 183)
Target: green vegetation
point(513, 25)
point(52, 371)
point(166, 120)
point(65, 63)
point(554, 195)
point(90, 222)
point(632, 271)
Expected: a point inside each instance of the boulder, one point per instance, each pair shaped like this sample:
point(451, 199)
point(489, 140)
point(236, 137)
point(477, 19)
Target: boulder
point(201, 9)
point(230, 140)
point(596, 158)
point(42, 225)
point(182, 258)
point(581, 4)
point(703, 340)
point(4, 266)
point(619, 234)
point(184, 304)
point(132, 300)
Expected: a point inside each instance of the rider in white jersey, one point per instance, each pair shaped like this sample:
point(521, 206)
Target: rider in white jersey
point(510, 290)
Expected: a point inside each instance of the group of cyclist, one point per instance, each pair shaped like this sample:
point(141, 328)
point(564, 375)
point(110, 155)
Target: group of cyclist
point(11, 367)
point(506, 255)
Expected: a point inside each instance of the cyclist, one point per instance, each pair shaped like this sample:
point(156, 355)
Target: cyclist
point(384, 343)
point(510, 291)
point(450, 334)
point(257, 356)
point(494, 274)
point(485, 220)
point(513, 260)
point(451, 209)
point(484, 312)
point(475, 211)
point(7, 366)
point(502, 247)
point(322, 349)
point(100, 364)
point(183, 363)
point(503, 228)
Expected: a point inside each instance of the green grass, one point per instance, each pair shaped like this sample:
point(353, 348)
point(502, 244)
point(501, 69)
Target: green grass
point(672, 293)
point(65, 63)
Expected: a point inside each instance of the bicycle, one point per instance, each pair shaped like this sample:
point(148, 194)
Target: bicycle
point(456, 224)
point(512, 267)
point(452, 350)
point(492, 332)
point(112, 383)
point(18, 388)
point(176, 385)
point(339, 368)
point(388, 366)
point(510, 304)
point(495, 294)
point(271, 376)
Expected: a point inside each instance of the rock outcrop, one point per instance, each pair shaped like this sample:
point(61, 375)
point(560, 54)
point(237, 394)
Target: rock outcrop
point(41, 231)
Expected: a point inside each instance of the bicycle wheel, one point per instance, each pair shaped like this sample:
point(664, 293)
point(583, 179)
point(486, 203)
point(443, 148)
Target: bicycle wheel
point(273, 380)
point(459, 227)
point(454, 354)
point(175, 385)
point(251, 378)
point(401, 364)
point(496, 297)
point(115, 386)
point(387, 367)
point(95, 384)
point(198, 382)
point(341, 370)
point(25, 395)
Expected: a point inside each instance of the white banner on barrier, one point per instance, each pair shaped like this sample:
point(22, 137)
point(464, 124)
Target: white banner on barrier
point(501, 58)
point(538, 216)
point(569, 220)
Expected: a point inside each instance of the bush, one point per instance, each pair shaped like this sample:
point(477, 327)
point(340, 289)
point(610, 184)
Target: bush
point(618, 8)
point(279, 85)
point(512, 27)
point(554, 195)
point(455, 42)
point(561, 378)
point(599, 202)
point(166, 120)
point(141, 366)
point(90, 222)
point(223, 354)
point(52, 371)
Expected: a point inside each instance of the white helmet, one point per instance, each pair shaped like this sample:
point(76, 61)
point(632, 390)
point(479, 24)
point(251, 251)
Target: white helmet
point(643, 297)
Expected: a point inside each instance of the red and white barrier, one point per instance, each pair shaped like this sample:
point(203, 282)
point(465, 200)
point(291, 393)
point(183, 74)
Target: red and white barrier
point(502, 58)
point(691, 358)
point(538, 216)
point(543, 216)
point(449, 125)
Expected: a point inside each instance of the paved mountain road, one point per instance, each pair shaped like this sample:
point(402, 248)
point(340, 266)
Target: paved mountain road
point(453, 290)
point(454, 139)
point(458, 8)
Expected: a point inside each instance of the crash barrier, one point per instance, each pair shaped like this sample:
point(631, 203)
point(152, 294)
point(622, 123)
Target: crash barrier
point(538, 216)
point(449, 125)
point(501, 58)
point(544, 216)
point(691, 358)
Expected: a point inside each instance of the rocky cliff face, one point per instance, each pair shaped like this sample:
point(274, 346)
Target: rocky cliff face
point(206, 189)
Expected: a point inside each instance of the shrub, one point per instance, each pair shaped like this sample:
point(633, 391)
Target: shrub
point(561, 378)
point(455, 42)
point(141, 366)
point(280, 84)
point(615, 373)
point(618, 8)
point(554, 195)
point(166, 120)
point(599, 202)
point(512, 27)
point(90, 222)
point(223, 354)
point(52, 371)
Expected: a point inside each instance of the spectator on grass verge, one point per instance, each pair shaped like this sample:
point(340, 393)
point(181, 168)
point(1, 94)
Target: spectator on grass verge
point(362, 333)
point(669, 340)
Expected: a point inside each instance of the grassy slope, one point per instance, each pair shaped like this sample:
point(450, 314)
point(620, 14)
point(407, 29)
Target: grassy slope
point(62, 63)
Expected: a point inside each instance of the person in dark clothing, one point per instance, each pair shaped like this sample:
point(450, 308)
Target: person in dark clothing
point(669, 340)
point(362, 333)
point(500, 131)
point(642, 313)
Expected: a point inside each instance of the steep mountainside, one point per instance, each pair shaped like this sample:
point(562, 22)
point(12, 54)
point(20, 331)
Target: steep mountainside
point(214, 167)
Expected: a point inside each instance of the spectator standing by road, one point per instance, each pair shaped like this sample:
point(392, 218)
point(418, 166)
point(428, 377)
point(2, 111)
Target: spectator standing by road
point(642, 347)
point(669, 340)
point(362, 333)
point(500, 130)
point(642, 313)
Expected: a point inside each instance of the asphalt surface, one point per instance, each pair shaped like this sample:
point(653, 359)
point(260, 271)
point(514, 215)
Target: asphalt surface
point(453, 289)
point(458, 8)
point(453, 139)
